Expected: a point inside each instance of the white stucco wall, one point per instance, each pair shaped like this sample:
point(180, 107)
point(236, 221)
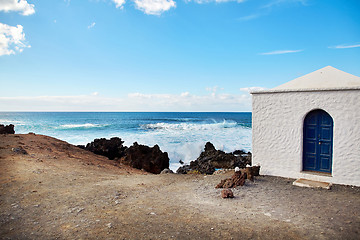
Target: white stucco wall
point(277, 120)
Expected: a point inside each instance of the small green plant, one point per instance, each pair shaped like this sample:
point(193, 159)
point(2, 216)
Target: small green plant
point(194, 172)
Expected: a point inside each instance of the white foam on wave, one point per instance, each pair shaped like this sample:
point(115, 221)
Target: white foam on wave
point(186, 143)
point(7, 122)
point(190, 126)
point(85, 125)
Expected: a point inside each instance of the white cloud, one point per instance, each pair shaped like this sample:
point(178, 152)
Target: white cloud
point(91, 25)
point(154, 7)
point(17, 5)
point(252, 89)
point(12, 39)
point(157, 7)
point(280, 52)
point(346, 46)
point(212, 89)
point(59, 103)
point(279, 2)
point(119, 3)
point(132, 102)
point(189, 102)
point(185, 94)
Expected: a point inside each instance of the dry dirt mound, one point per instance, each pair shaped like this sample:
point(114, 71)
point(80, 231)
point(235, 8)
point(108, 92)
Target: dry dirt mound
point(53, 190)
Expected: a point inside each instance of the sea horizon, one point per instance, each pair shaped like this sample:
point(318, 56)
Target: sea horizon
point(125, 111)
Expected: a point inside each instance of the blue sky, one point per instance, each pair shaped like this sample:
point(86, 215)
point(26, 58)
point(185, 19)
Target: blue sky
point(166, 55)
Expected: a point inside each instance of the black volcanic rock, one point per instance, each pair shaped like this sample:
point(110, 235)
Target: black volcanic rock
point(183, 169)
point(211, 158)
point(112, 148)
point(209, 147)
point(151, 159)
point(9, 129)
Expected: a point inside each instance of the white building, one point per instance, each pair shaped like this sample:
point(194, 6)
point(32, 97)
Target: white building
point(309, 128)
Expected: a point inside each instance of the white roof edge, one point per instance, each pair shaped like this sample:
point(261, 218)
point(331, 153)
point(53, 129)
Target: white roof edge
point(324, 78)
point(304, 90)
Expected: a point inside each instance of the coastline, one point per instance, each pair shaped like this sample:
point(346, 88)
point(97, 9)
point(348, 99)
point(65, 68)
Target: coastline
point(57, 190)
point(181, 135)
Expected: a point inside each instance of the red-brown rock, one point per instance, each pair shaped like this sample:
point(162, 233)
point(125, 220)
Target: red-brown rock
point(227, 193)
point(238, 179)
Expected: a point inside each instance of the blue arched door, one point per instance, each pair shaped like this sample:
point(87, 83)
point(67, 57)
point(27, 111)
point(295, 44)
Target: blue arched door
point(318, 142)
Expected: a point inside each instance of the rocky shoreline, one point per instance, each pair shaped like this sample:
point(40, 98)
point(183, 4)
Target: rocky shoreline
point(153, 160)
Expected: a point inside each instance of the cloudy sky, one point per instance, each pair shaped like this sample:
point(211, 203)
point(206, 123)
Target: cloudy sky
point(166, 55)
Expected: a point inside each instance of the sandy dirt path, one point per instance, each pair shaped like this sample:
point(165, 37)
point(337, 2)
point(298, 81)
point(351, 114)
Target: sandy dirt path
point(58, 191)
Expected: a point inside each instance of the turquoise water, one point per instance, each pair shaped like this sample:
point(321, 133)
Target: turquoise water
point(182, 135)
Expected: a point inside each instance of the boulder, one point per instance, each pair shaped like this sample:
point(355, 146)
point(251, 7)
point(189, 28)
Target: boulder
point(112, 148)
point(210, 159)
point(152, 160)
point(217, 158)
point(227, 193)
point(137, 156)
point(252, 171)
point(256, 170)
point(8, 129)
point(249, 173)
point(202, 166)
point(238, 179)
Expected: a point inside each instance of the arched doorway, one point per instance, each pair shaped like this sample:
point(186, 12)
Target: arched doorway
point(318, 142)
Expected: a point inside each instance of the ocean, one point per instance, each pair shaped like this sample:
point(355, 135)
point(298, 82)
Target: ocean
point(182, 134)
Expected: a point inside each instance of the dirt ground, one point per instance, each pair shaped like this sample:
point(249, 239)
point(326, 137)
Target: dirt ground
point(58, 191)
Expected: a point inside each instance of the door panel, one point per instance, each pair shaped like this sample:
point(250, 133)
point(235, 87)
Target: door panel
point(310, 162)
point(325, 134)
point(325, 149)
point(311, 147)
point(324, 164)
point(311, 132)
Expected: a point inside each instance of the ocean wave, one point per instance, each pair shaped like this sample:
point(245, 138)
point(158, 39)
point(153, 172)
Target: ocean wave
point(14, 122)
point(190, 126)
point(172, 119)
point(82, 126)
